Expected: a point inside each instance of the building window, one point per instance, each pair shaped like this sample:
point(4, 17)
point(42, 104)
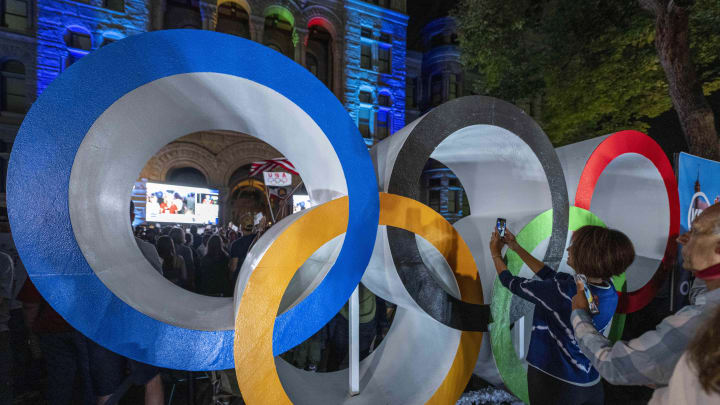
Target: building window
point(319, 46)
point(366, 32)
point(386, 38)
point(365, 97)
point(107, 40)
point(365, 56)
point(233, 20)
point(384, 59)
point(115, 5)
point(364, 122)
point(434, 200)
point(15, 14)
point(411, 92)
point(453, 89)
point(78, 40)
point(12, 80)
point(384, 100)
point(454, 201)
point(436, 90)
point(312, 63)
point(383, 127)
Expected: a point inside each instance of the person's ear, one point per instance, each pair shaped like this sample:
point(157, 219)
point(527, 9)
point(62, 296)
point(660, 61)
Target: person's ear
point(717, 247)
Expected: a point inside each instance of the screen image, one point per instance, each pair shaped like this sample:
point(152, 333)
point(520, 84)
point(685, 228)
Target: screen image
point(181, 204)
point(301, 202)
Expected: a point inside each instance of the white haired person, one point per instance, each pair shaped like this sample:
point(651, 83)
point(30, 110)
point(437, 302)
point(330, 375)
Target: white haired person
point(651, 358)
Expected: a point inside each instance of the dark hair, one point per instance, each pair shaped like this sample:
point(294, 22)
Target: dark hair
point(177, 235)
point(165, 247)
point(166, 250)
point(704, 354)
point(132, 207)
point(215, 247)
point(189, 238)
point(601, 252)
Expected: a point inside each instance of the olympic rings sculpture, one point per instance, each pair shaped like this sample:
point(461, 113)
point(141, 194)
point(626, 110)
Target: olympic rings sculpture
point(86, 138)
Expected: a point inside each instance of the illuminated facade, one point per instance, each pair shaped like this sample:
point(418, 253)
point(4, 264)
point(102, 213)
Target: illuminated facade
point(357, 48)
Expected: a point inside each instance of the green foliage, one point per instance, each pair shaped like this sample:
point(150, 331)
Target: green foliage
point(591, 64)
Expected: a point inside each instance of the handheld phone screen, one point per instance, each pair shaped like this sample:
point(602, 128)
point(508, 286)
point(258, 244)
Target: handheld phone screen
point(501, 224)
point(593, 305)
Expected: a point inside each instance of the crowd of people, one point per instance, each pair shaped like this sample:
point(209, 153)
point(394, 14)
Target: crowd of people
point(569, 352)
point(202, 259)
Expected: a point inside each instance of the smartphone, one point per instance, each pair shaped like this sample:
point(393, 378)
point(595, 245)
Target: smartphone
point(590, 298)
point(501, 223)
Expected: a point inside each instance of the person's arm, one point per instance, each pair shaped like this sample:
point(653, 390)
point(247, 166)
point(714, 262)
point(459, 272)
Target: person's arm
point(533, 263)
point(646, 360)
point(539, 292)
point(232, 264)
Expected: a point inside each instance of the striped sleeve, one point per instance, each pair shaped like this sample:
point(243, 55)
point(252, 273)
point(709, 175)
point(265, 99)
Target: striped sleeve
point(539, 292)
point(545, 273)
point(646, 360)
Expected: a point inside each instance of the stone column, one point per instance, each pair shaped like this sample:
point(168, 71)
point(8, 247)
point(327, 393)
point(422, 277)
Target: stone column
point(302, 35)
point(208, 13)
point(257, 27)
point(157, 15)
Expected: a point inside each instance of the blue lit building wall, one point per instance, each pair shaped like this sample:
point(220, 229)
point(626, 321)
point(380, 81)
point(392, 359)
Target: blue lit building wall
point(56, 19)
point(386, 29)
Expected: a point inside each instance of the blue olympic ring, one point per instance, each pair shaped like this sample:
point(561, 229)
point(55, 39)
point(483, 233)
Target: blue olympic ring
point(42, 160)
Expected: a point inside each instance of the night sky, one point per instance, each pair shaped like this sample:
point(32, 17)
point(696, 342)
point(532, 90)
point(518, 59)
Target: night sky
point(422, 12)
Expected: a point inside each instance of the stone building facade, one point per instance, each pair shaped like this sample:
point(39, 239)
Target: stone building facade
point(435, 75)
point(357, 48)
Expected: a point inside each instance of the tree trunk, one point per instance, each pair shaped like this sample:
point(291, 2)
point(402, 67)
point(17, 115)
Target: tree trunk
point(673, 48)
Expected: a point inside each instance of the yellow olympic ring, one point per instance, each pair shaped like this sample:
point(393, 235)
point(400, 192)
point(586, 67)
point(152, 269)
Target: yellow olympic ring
point(254, 363)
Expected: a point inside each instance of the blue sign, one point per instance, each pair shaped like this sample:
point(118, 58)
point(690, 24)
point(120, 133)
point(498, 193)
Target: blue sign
point(698, 187)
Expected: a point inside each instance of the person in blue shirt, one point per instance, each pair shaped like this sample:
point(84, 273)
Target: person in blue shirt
point(558, 372)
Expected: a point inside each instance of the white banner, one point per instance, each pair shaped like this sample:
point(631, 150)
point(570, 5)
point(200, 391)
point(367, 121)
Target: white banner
point(277, 179)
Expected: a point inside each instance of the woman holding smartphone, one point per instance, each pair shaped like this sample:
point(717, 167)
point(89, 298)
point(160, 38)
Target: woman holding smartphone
point(558, 372)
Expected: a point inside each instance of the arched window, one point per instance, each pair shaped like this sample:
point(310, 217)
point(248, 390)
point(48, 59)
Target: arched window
point(233, 19)
point(411, 87)
point(186, 176)
point(107, 40)
point(364, 122)
point(79, 44)
point(319, 47)
point(182, 14)
point(454, 88)
point(13, 87)
point(383, 124)
point(384, 99)
point(436, 90)
point(15, 14)
point(312, 63)
point(79, 39)
point(365, 97)
point(279, 30)
point(115, 5)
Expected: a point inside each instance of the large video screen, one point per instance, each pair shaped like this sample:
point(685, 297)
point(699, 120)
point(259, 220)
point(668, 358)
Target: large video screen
point(181, 204)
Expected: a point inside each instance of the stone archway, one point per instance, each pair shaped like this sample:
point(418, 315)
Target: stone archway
point(181, 154)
